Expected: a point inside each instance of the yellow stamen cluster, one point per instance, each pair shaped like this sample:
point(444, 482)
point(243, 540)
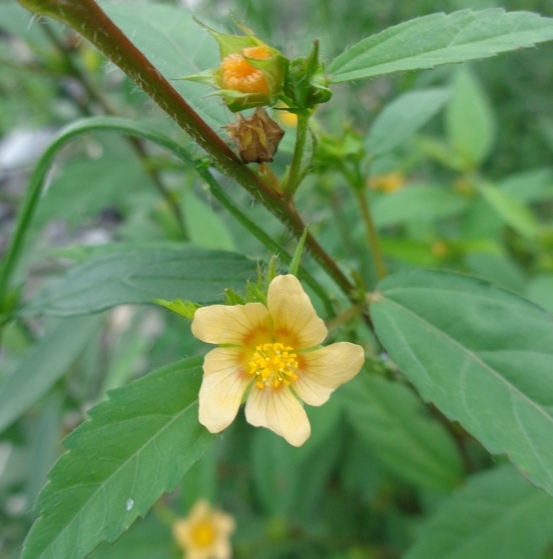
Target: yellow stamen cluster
point(203, 534)
point(239, 75)
point(274, 364)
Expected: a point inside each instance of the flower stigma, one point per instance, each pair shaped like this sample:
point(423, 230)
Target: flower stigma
point(239, 75)
point(274, 364)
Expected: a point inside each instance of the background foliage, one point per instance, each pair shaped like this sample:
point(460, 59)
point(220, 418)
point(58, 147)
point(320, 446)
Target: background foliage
point(457, 162)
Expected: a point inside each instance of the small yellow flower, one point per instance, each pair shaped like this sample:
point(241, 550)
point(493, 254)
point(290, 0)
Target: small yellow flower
point(273, 352)
point(387, 183)
point(204, 533)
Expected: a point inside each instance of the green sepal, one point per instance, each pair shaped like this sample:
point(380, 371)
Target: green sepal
point(306, 84)
point(210, 77)
point(237, 101)
point(274, 69)
point(255, 294)
point(296, 259)
point(232, 298)
point(184, 308)
point(229, 44)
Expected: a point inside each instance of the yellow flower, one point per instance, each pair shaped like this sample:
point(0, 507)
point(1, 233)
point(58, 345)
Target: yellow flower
point(272, 352)
point(204, 533)
point(387, 184)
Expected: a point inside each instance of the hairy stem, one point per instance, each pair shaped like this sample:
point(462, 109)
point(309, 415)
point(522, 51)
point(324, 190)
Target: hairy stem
point(87, 18)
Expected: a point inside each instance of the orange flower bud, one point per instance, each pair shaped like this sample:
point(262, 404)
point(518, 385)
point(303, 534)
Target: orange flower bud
point(238, 74)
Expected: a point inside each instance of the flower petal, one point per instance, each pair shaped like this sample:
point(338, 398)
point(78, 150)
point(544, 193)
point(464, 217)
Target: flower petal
point(244, 325)
point(323, 370)
point(280, 411)
point(181, 532)
point(225, 522)
point(224, 383)
point(221, 549)
point(295, 321)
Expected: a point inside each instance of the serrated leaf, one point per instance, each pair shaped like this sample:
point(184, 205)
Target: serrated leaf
point(417, 202)
point(403, 117)
point(470, 121)
point(437, 39)
point(498, 514)
point(141, 275)
point(392, 420)
point(481, 354)
point(510, 210)
point(43, 365)
point(137, 445)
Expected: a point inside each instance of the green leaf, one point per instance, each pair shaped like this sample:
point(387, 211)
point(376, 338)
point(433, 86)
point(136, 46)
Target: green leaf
point(84, 186)
point(289, 480)
point(400, 431)
point(207, 229)
point(497, 269)
point(417, 202)
point(498, 514)
point(535, 185)
point(437, 39)
point(403, 117)
point(540, 290)
point(148, 539)
point(200, 482)
point(510, 210)
point(141, 275)
point(469, 120)
point(176, 45)
point(137, 445)
point(43, 365)
point(481, 354)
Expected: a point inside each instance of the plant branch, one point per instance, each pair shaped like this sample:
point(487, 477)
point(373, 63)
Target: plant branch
point(372, 235)
point(87, 18)
point(295, 174)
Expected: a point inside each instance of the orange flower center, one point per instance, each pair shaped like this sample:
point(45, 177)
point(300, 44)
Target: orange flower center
point(203, 534)
point(274, 364)
point(239, 75)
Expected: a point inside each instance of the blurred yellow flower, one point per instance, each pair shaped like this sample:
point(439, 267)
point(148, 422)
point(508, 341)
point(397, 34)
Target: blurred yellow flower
point(204, 533)
point(272, 352)
point(388, 183)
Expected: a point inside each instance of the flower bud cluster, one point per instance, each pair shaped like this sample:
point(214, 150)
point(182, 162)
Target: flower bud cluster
point(253, 74)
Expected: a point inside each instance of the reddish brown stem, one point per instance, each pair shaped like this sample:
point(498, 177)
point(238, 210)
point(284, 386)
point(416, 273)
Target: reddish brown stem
point(86, 17)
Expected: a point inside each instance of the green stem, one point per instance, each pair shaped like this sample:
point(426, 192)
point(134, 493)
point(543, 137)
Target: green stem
point(357, 184)
point(372, 235)
point(131, 129)
point(295, 173)
point(87, 18)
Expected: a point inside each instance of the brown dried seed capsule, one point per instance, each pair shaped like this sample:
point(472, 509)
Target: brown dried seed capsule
point(256, 137)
